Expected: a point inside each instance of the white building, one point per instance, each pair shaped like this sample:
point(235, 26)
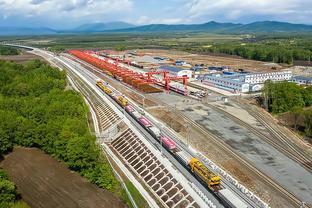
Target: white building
point(302, 80)
point(258, 78)
point(232, 85)
point(176, 71)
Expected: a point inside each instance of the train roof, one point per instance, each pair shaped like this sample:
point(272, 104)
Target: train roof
point(234, 200)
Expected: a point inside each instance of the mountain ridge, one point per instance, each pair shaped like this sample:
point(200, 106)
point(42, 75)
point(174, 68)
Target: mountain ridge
point(123, 27)
point(98, 27)
point(216, 27)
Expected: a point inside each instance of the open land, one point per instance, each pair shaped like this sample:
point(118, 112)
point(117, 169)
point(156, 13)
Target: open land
point(21, 58)
point(44, 182)
point(210, 60)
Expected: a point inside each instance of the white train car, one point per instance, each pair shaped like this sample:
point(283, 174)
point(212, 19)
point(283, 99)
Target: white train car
point(184, 157)
point(154, 131)
point(231, 199)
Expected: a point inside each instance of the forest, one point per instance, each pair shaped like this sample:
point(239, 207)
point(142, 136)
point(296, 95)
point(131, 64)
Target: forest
point(6, 50)
point(37, 111)
point(281, 97)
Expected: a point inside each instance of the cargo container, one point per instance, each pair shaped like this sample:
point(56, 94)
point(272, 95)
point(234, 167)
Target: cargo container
point(168, 143)
point(145, 122)
point(231, 199)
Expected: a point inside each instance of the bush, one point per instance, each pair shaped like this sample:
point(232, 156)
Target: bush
point(7, 191)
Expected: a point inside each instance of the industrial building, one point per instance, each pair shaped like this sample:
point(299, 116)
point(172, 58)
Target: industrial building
point(176, 71)
point(302, 80)
point(232, 85)
point(240, 82)
point(259, 78)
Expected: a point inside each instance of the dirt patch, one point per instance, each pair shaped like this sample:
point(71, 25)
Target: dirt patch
point(234, 63)
point(44, 182)
point(171, 119)
point(22, 58)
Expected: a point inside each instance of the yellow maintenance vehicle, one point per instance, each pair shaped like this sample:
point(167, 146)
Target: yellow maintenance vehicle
point(212, 180)
point(104, 88)
point(122, 101)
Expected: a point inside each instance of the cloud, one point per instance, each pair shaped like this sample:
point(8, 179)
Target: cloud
point(66, 11)
point(70, 13)
point(231, 10)
point(142, 20)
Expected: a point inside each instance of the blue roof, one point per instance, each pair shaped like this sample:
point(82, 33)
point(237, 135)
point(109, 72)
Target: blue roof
point(171, 68)
point(302, 78)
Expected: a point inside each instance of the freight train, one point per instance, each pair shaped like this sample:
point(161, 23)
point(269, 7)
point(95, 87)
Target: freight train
point(207, 177)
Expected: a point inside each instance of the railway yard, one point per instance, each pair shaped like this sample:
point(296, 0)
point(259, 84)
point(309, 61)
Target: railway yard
point(188, 151)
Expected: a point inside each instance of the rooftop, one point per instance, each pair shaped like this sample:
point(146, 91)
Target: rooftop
point(303, 78)
point(171, 68)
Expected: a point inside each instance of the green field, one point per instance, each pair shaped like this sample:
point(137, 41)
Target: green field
point(279, 48)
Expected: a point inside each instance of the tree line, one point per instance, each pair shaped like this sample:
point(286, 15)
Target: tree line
point(281, 97)
point(37, 111)
point(260, 52)
point(6, 50)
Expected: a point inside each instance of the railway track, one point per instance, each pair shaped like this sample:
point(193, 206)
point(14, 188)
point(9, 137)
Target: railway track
point(283, 146)
point(227, 148)
point(295, 201)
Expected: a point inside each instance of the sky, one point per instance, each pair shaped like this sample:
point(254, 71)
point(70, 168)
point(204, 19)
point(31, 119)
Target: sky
point(67, 14)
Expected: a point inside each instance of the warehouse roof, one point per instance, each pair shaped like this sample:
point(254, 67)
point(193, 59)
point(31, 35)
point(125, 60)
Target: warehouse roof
point(171, 68)
point(302, 78)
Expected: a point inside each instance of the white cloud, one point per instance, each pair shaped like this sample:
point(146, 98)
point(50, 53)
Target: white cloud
point(142, 20)
point(67, 10)
point(231, 10)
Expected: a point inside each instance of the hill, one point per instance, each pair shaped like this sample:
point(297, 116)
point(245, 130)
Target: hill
point(271, 26)
point(8, 31)
point(209, 26)
point(215, 27)
point(99, 27)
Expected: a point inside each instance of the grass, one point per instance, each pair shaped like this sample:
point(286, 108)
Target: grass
point(136, 195)
point(20, 204)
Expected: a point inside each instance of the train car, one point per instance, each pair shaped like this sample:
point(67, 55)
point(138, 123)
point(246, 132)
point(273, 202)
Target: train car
point(168, 143)
point(231, 200)
point(129, 108)
point(183, 157)
point(145, 122)
point(212, 180)
point(135, 114)
point(115, 97)
point(155, 132)
point(104, 88)
point(122, 101)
